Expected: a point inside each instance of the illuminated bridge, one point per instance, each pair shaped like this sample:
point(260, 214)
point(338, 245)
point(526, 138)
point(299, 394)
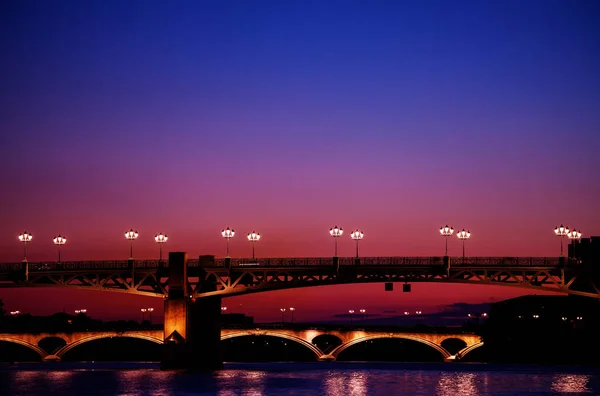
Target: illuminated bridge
point(227, 277)
point(305, 338)
point(193, 289)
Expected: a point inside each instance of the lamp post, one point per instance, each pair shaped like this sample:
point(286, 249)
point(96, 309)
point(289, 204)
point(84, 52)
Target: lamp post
point(362, 311)
point(292, 309)
point(131, 235)
point(351, 312)
point(227, 234)
point(253, 237)
point(160, 239)
point(336, 232)
point(80, 311)
point(59, 241)
point(150, 313)
point(143, 310)
point(463, 236)
point(446, 231)
point(282, 313)
point(574, 235)
point(223, 309)
point(25, 237)
point(561, 231)
point(357, 235)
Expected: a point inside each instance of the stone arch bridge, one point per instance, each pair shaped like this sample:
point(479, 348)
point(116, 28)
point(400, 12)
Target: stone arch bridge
point(303, 337)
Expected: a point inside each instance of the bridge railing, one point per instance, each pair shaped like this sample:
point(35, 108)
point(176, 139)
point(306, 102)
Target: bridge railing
point(293, 263)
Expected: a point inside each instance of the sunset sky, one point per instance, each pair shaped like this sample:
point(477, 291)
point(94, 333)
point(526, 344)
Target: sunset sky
point(290, 117)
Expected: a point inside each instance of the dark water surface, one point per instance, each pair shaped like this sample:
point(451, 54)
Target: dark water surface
point(331, 379)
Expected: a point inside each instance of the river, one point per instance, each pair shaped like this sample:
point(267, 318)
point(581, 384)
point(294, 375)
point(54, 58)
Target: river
point(331, 379)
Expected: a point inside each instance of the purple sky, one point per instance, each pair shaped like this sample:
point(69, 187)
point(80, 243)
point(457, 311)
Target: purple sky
point(288, 118)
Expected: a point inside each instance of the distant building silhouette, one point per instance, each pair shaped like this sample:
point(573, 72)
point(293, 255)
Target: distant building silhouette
point(543, 329)
point(585, 250)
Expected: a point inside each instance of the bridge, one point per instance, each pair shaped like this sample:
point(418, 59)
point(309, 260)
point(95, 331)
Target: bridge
point(229, 277)
point(306, 338)
point(192, 289)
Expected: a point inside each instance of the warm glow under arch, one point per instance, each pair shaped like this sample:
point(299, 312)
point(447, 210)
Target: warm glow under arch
point(60, 353)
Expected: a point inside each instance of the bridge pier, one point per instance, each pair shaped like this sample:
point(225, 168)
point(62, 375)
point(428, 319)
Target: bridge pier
point(192, 329)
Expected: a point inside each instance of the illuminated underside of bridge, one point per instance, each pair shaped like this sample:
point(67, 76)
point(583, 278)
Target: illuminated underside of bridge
point(303, 337)
point(227, 277)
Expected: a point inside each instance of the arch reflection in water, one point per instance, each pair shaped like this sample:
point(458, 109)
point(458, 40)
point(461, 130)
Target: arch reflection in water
point(570, 383)
point(451, 384)
point(346, 384)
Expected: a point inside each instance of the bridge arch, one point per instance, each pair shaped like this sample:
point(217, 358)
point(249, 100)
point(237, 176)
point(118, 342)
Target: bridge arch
point(60, 353)
point(33, 347)
point(335, 353)
point(453, 344)
point(50, 344)
point(318, 353)
point(461, 354)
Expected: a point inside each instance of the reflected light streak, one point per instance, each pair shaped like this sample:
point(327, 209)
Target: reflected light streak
point(254, 383)
point(155, 384)
point(570, 383)
point(457, 384)
point(343, 384)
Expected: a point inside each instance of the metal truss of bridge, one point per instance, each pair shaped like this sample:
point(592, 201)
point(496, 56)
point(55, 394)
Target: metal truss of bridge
point(227, 277)
point(305, 338)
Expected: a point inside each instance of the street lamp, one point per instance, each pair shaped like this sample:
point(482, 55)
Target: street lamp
point(25, 237)
point(143, 310)
point(351, 312)
point(446, 232)
point(362, 311)
point(227, 234)
point(574, 236)
point(292, 309)
point(58, 241)
point(463, 236)
point(80, 311)
point(357, 235)
point(336, 232)
point(561, 231)
point(282, 313)
point(150, 312)
point(223, 309)
point(253, 237)
point(132, 236)
point(15, 313)
point(160, 239)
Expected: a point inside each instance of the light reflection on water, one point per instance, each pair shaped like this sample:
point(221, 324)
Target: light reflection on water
point(451, 384)
point(573, 383)
point(345, 384)
point(307, 379)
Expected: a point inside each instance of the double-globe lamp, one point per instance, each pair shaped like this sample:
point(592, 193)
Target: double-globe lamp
point(25, 237)
point(160, 239)
point(357, 235)
point(446, 232)
point(463, 236)
point(253, 237)
point(131, 235)
point(336, 232)
point(227, 233)
point(562, 232)
point(59, 241)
